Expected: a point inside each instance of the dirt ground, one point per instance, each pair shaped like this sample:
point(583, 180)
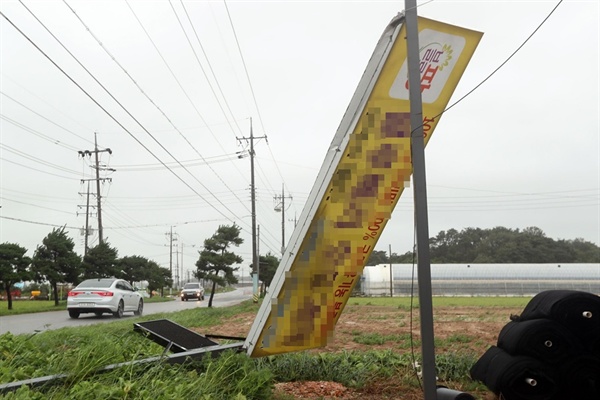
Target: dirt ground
point(456, 329)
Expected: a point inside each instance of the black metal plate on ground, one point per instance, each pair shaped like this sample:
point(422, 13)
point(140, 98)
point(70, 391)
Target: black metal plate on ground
point(168, 333)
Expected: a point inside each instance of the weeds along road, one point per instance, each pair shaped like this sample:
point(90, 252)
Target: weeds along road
point(31, 323)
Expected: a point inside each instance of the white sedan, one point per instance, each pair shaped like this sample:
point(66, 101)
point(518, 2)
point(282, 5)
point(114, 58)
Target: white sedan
point(104, 295)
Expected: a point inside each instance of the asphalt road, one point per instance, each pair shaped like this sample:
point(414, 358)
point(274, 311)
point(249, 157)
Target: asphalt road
point(31, 323)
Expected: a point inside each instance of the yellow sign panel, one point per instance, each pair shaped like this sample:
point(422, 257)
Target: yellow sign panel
point(360, 192)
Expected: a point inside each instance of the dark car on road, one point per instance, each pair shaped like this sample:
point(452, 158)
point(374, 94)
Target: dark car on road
point(192, 291)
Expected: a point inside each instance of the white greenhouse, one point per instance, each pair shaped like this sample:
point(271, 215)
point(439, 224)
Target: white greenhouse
point(481, 279)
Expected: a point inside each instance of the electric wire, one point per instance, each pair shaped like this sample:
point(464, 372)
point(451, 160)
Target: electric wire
point(245, 67)
point(35, 169)
point(448, 108)
point(35, 205)
point(153, 103)
point(36, 133)
point(175, 77)
point(156, 48)
point(37, 223)
point(113, 118)
point(37, 196)
point(250, 86)
point(209, 66)
point(40, 115)
point(24, 89)
point(498, 68)
point(36, 160)
point(187, 163)
point(211, 70)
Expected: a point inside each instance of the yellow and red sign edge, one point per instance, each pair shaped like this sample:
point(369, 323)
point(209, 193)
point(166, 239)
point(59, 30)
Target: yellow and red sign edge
point(364, 174)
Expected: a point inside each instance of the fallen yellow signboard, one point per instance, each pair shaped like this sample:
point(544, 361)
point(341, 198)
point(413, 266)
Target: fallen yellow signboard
point(364, 173)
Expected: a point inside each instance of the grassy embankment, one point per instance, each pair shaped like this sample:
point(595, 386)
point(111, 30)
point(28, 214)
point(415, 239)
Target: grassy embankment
point(78, 352)
point(35, 306)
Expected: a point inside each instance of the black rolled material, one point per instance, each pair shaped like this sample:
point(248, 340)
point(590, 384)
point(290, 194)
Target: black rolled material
point(543, 339)
point(550, 352)
point(580, 378)
point(592, 345)
point(515, 377)
point(579, 311)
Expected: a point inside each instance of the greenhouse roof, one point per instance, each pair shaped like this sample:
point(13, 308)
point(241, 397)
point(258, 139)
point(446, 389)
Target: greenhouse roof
point(489, 271)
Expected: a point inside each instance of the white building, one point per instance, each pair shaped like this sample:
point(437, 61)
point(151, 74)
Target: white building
point(481, 279)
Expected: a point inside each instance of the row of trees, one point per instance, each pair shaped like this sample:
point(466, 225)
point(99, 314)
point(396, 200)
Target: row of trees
point(55, 262)
point(498, 246)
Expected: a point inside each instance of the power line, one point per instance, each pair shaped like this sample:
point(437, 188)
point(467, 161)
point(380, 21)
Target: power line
point(110, 115)
point(153, 103)
point(245, 68)
point(36, 113)
point(209, 84)
point(188, 163)
point(36, 160)
point(37, 223)
point(175, 77)
point(501, 65)
point(56, 110)
point(35, 205)
point(35, 169)
point(209, 65)
point(36, 133)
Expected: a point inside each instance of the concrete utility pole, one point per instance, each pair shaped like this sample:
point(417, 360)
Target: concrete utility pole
point(280, 206)
point(258, 263)
point(171, 240)
point(98, 179)
point(86, 230)
point(255, 267)
point(178, 275)
point(181, 273)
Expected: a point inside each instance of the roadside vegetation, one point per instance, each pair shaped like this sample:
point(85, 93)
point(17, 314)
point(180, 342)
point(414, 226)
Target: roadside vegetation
point(83, 351)
point(35, 306)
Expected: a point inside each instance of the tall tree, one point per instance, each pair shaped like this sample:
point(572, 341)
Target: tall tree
point(266, 272)
point(216, 259)
point(13, 267)
point(158, 277)
point(133, 268)
point(56, 262)
point(100, 262)
point(585, 252)
point(377, 257)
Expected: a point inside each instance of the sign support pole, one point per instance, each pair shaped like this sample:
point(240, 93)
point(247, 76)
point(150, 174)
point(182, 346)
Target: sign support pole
point(420, 199)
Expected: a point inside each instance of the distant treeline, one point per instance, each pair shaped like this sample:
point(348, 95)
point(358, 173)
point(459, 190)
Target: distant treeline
point(498, 246)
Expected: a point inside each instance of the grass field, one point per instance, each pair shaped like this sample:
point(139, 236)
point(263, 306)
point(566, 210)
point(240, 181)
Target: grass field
point(370, 358)
point(33, 306)
point(443, 301)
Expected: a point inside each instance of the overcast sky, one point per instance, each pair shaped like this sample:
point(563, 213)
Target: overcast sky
point(182, 81)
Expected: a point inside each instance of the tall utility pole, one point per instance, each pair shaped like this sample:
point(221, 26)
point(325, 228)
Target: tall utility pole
point(181, 274)
point(86, 230)
point(98, 179)
point(280, 206)
point(178, 280)
point(255, 294)
point(171, 240)
point(258, 263)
